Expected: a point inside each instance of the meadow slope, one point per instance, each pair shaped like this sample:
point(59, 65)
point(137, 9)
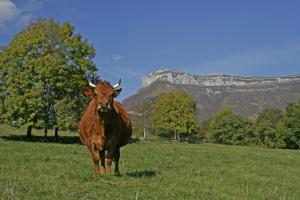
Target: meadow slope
point(149, 170)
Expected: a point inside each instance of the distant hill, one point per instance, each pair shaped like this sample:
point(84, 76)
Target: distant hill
point(247, 96)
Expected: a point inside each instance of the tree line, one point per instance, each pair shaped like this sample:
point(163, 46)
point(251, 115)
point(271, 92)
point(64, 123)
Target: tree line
point(45, 66)
point(173, 116)
point(42, 70)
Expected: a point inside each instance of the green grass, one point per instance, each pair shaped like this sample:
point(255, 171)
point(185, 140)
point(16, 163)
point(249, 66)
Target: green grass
point(150, 170)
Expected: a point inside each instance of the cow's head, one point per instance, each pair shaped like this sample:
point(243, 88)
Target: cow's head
point(102, 93)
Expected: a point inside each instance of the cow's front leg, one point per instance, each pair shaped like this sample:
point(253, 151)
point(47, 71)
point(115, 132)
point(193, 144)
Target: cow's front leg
point(102, 159)
point(95, 157)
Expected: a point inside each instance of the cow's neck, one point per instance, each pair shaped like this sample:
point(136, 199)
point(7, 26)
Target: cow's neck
point(105, 119)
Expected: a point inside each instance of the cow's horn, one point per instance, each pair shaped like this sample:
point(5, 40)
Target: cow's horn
point(91, 84)
point(117, 85)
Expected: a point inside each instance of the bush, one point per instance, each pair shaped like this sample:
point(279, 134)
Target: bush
point(266, 127)
point(228, 128)
point(289, 131)
point(266, 134)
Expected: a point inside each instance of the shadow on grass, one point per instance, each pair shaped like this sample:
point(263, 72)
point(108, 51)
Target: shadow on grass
point(49, 139)
point(133, 140)
point(142, 174)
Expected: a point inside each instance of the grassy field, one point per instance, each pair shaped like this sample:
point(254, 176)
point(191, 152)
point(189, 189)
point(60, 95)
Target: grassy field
point(63, 169)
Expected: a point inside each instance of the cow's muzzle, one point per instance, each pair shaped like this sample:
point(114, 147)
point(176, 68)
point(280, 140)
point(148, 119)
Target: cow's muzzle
point(103, 107)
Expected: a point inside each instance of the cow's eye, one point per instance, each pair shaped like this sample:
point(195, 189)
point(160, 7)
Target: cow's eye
point(95, 94)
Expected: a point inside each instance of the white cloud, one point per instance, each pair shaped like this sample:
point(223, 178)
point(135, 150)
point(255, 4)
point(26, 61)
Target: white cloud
point(116, 57)
point(8, 10)
point(10, 13)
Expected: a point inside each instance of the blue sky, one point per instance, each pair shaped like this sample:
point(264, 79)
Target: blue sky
point(135, 37)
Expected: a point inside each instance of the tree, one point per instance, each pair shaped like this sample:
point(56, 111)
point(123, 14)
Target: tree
point(43, 69)
point(228, 128)
point(174, 113)
point(203, 130)
point(2, 94)
point(140, 117)
point(273, 115)
point(266, 126)
point(266, 134)
point(284, 136)
point(289, 131)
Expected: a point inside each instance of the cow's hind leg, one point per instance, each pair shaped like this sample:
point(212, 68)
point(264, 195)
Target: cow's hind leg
point(95, 157)
point(116, 160)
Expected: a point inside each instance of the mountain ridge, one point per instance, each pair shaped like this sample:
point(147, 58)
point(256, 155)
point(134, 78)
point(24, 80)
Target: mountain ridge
point(246, 95)
point(214, 79)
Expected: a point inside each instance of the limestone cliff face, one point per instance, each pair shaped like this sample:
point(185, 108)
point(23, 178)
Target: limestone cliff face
point(247, 96)
point(183, 78)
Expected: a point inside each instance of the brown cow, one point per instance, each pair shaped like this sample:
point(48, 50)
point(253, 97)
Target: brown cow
point(105, 125)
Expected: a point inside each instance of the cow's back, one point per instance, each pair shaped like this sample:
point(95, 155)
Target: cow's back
point(123, 114)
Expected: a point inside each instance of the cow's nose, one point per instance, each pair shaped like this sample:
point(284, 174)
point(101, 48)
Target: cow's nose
point(104, 104)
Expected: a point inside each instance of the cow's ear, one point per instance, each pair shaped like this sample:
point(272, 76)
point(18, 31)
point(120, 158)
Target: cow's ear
point(117, 91)
point(88, 92)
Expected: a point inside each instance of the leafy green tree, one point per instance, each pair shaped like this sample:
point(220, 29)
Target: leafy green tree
point(273, 115)
point(43, 69)
point(2, 94)
point(266, 127)
point(228, 128)
point(284, 136)
point(174, 113)
point(266, 134)
point(290, 130)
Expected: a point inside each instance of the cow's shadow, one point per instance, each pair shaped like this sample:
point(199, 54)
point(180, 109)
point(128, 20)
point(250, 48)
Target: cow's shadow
point(48, 139)
point(142, 174)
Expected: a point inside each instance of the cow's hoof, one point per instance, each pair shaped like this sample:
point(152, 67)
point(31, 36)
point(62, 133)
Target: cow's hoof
point(97, 171)
point(108, 170)
point(102, 171)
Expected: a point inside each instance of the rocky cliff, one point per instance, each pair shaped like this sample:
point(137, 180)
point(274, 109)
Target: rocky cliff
point(184, 78)
point(246, 95)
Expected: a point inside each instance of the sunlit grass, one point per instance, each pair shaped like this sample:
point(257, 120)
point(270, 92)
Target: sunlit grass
point(149, 170)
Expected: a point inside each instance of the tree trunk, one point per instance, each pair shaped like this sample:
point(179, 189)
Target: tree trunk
point(56, 133)
point(178, 138)
point(29, 129)
point(175, 136)
point(45, 135)
point(145, 133)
